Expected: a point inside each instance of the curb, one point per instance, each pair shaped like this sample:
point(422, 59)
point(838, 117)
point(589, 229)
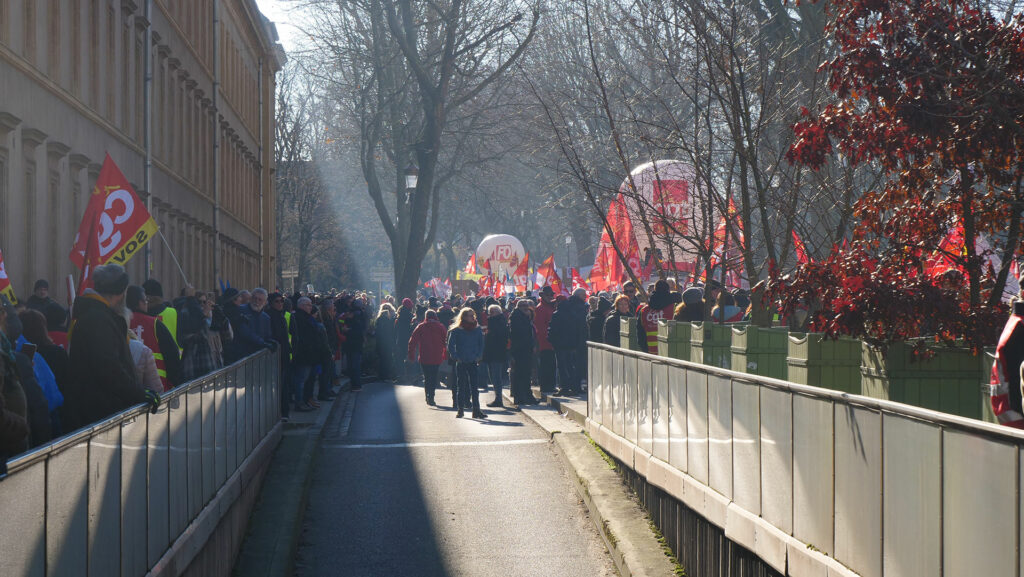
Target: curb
point(275, 525)
point(620, 519)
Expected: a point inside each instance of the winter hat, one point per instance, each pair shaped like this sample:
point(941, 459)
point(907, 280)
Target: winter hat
point(109, 279)
point(56, 316)
point(41, 283)
point(693, 295)
point(547, 290)
point(229, 295)
point(603, 306)
point(407, 303)
point(153, 288)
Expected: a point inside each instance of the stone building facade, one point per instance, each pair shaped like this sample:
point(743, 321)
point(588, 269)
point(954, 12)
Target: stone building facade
point(72, 88)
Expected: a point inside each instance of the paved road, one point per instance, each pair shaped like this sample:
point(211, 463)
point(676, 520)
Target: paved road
point(412, 491)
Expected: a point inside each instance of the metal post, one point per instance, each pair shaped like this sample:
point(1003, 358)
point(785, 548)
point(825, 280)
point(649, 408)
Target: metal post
point(147, 115)
point(216, 142)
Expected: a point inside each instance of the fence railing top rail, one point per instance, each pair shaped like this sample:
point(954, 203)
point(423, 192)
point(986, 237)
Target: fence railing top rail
point(991, 430)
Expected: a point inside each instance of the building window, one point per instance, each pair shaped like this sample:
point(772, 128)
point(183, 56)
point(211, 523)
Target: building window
point(53, 44)
point(110, 90)
point(76, 45)
point(5, 18)
point(28, 46)
point(94, 60)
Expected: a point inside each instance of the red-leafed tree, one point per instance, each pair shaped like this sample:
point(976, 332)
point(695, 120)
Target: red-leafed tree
point(932, 93)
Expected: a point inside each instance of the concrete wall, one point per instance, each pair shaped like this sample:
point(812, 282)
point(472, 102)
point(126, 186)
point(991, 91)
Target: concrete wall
point(816, 482)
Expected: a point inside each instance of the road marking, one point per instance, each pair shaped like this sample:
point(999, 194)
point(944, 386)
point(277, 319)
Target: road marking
point(416, 445)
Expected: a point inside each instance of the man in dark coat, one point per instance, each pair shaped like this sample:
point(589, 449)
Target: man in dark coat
point(40, 296)
point(522, 343)
point(496, 351)
point(280, 333)
point(403, 330)
point(103, 373)
point(568, 333)
point(355, 334)
point(247, 339)
point(309, 348)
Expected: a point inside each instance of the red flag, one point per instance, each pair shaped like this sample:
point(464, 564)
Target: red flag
point(521, 277)
point(550, 275)
point(608, 271)
point(471, 265)
point(5, 283)
point(116, 224)
point(801, 250)
point(951, 248)
point(578, 282)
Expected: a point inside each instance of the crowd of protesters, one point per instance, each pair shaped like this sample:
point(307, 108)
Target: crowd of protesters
point(122, 345)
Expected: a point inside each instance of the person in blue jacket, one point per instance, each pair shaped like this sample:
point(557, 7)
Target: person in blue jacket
point(466, 348)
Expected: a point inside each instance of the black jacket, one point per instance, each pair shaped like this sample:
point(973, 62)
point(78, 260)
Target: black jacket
point(521, 333)
point(496, 340)
point(101, 366)
point(403, 328)
point(612, 329)
point(309, 342)
point(568, 328)
point(355, 335)
point(279, 332)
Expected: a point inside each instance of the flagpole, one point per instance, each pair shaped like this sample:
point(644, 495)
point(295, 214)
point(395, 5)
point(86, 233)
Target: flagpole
point(174, 258)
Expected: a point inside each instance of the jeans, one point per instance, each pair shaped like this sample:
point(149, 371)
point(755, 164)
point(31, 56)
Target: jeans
point(326, 380)
point(497, 372)
point(301, 374)
point(355, 368)
point(430, 380)
point(546, 371)
point(568, 369)
point(466, 383)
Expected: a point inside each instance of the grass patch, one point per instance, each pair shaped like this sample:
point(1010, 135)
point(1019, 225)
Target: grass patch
point(607, 458)
point(678, 570)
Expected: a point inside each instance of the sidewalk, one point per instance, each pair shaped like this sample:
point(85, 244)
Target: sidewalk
point(276, 522)
point(619, 517)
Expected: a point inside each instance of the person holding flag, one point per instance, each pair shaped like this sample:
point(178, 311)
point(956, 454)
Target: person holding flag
point(5, 283)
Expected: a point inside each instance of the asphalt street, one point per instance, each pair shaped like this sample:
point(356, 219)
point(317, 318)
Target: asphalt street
point(404, 489)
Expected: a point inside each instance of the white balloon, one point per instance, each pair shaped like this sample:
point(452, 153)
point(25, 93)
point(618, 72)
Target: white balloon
point(500, 253)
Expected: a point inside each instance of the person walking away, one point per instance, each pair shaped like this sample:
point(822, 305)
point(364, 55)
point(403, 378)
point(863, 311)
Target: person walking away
point(466, 347)
point(567, 333)
point(546, 354)
point(496, 351)
point(403, 330)
point(595, 321)
point(660, 306)
point(1006, 379)
point(612, 326)
point(384, 329)
point(691, 310)
point(158, 339)
point(522, 343)
point(355, 336)
point(56, 324)
point(100, 360)
point(726, 310)
point(426, 346)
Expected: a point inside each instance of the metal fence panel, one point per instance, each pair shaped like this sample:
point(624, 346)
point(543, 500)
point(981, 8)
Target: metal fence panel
point(251, 409)
point(158, 463)
point(23, 543)
point(629, 398)
point(209, 424)
point(777, 458)
point(595, 383)
point(660, 411)
point(241, 416)
point(813, 478)
point(67, 511)
point(746, 451)
point(231, 423)
point(194, 434)
point(644, 400)
point(912, 485)
point(677, 436)
point(858, 499)
point(179, 463)
point(720, 434)
point(697, 425)
point(133, 496)
point(618, 392)
point(105, 503)
point(220, 431)
point(608, 388)
point(979, 535)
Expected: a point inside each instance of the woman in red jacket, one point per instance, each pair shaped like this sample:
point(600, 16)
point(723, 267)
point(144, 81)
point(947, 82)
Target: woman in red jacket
point(429, 337)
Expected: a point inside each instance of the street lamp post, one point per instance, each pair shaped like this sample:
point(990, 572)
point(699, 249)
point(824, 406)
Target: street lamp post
point(412, 175)
point(568, 243)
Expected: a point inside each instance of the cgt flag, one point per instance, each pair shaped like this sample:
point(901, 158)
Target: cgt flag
point(116, 224)
point(5, 283)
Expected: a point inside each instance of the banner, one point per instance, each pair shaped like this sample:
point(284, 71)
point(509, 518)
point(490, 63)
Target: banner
point(471, 265)
point(578, 282)
point(116, 224)
point(521, 276)
point(801, 250)
point(5, 283)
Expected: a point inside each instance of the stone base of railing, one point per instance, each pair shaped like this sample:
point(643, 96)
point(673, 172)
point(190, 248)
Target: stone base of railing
point(210, 543)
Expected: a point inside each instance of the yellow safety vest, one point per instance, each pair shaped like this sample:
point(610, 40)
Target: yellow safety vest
point(288, 325)
point(170, 319)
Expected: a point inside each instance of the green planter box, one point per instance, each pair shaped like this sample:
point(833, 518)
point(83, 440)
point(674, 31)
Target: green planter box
point(823, 362)
point(760, 351)
point(674, 340)
point(711, 343)
point(948, 382)
point(627, 334)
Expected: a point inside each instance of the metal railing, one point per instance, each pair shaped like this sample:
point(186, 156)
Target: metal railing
point(111, 498)
point(791, 471)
